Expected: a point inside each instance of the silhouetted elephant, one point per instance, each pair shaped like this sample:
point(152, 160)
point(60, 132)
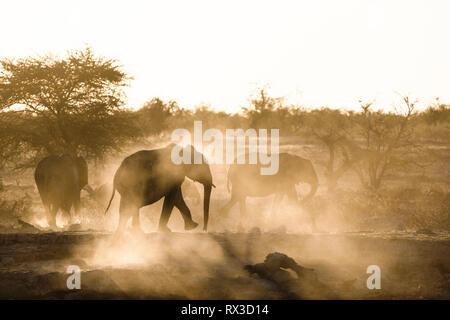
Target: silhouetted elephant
point(247, 181)
point(148, 175)
point(59, 180)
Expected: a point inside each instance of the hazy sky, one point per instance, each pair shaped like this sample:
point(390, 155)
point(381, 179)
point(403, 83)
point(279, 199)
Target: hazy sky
point(218, 52)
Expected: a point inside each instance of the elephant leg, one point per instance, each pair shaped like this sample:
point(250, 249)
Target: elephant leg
point(47, 211)
point(169, 202)
point(185, 212)
point(276, 203)
point(293, 199)
point(47, 207)
point(51, 211)
point(66, 213)
point(312, 192)
point(291, 194)
point(243, 210)
point(76, 208)
point(124, 215)
point(136, 222)
point(229, 205)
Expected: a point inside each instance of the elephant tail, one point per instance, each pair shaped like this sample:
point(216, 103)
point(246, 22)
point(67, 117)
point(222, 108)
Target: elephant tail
point(112, 197)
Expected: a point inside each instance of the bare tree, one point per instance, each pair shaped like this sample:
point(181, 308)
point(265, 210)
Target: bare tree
point(387, 140)
point(331, 128)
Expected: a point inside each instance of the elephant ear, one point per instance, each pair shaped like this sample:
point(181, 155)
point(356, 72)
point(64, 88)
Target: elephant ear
point(306, 172)
point(290, 168)
point(82, 171)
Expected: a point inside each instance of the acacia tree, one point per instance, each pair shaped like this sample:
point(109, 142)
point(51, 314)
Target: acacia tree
point(263, 110)
point(155, 116)
point(270, 112)
point(52, 105)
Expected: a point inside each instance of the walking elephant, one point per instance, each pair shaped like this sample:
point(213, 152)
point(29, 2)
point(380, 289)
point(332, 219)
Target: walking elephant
point(59, 180)
point(246, 181)
point(149, 175)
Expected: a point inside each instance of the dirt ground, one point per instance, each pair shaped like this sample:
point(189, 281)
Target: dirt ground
point(211, 265)
point(410, 243)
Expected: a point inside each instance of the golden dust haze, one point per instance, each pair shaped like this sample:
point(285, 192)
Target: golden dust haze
point(84, 168)
point(314, 53)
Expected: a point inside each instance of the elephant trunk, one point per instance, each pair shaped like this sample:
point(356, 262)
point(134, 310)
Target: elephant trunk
point(312, 179)
point(312, 191)
point(89, 189)
point(207, 197)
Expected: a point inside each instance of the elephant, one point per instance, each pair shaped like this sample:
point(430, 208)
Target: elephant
point(246, 181)
point(148, 175)
point(59, 180)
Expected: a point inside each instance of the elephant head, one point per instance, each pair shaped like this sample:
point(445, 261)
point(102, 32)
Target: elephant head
point(201, 173)
point(301, 170)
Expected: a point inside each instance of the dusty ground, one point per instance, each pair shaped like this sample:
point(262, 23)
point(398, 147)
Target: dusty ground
point(210, 266)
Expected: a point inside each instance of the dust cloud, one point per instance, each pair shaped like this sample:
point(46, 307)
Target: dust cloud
point(198, 265)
